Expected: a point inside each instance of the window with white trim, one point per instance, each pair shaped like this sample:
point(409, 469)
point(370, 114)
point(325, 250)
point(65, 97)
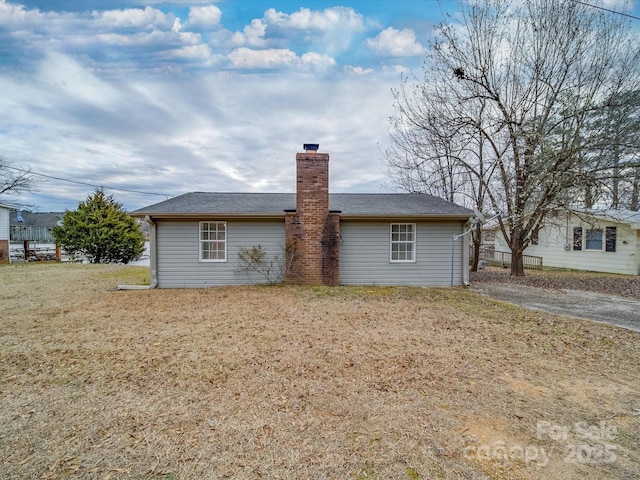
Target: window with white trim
point(213, 241)
point(403, 242)
point(593, 239)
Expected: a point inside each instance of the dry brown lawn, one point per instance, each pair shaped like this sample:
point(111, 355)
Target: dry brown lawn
point(300, 382)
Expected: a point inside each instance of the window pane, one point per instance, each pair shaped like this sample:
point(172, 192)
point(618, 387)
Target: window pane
point(593, 240)
point(402, 242)
point(212, 241)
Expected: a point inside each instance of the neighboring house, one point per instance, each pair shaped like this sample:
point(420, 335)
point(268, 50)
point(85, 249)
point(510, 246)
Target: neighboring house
point(33, 226)
point(593, 240)
point(332, 239)
point(4, 233)
point(32, 232)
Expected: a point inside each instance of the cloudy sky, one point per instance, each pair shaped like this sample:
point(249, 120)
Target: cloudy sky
point(168, 97)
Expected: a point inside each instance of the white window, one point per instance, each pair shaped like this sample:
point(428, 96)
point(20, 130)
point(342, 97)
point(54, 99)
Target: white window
point(593, 239)
point(403, 242)
point(213, 241)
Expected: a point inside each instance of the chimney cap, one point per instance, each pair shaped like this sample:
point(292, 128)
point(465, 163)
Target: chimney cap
point(311, 147)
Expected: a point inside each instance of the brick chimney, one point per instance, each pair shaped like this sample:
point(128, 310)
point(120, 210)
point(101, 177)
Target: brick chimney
point(312, 232)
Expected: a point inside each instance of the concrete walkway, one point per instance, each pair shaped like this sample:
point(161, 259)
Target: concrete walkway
point(618, 311)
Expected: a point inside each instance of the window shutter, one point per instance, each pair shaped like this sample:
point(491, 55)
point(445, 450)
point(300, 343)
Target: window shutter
point(577, 238)
point(610, 239)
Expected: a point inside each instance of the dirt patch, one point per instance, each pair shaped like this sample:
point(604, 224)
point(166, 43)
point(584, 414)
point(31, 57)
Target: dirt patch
point(297, 382)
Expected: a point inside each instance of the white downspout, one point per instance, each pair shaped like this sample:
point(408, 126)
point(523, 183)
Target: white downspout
point(465, 257)
point(465, 251)
point(153, 255)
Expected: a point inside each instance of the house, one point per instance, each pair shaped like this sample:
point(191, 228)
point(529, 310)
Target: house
point(327, 239)
point(32, 231)
point(4, 233)
point(593, 240)
point(34, 226)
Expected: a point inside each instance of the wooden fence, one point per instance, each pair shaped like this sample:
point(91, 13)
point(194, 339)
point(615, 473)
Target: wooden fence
point(503, 259)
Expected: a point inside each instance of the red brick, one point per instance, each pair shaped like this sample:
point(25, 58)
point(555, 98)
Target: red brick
point(312, 233)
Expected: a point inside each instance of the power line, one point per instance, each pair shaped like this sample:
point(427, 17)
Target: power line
point(30, 172)
point(606, 9)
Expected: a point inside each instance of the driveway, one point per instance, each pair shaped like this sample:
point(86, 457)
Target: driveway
point(618, 311)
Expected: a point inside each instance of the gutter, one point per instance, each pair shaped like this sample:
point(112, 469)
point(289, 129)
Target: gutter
point(153, 261)
point(465, 251)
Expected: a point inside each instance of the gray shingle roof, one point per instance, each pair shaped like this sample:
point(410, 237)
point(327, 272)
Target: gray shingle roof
point(36, 219)
point(274, 204)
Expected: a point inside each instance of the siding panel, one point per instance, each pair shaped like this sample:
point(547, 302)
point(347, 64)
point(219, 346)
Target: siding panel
point(364, 255)
point(178, 259)
point(4, 223)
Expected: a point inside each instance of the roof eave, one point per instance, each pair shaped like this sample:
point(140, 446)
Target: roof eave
point(400, 216)
point(205, 215)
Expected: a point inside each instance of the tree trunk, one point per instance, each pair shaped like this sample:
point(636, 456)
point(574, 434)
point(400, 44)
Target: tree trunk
point(477, 241)
point(517, 263)
point(636, 190)
point(517, 251)
point(615, 196)
point(588, 195)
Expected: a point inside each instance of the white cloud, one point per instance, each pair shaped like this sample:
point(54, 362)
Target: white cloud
point(317, 62)
point(70, 79)
point(306, 19)
point(358, 70)
point(17, 15)
point(253, 34)
point(206, 18)
point(149, 18)
point(271, 58)
point(396, 43)
point(191, 52)
point(329, 31)
point(279, 58)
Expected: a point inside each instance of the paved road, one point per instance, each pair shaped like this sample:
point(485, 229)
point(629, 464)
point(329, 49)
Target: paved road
point(619, 311)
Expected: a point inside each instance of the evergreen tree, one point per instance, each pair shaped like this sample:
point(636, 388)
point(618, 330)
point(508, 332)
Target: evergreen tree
point(102, 230)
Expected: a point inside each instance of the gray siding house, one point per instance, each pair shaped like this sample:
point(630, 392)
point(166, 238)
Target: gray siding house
point(330, 239)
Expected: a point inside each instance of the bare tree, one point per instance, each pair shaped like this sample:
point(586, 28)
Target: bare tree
point(14, 180)
point(619, 154)
point(523, 80)
point(433, 151)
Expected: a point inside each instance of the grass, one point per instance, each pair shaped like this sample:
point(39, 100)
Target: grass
point(302, 382)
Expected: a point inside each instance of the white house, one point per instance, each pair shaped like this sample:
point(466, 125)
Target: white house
point(354, 239)
point(592, 240)
point(4, 233)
